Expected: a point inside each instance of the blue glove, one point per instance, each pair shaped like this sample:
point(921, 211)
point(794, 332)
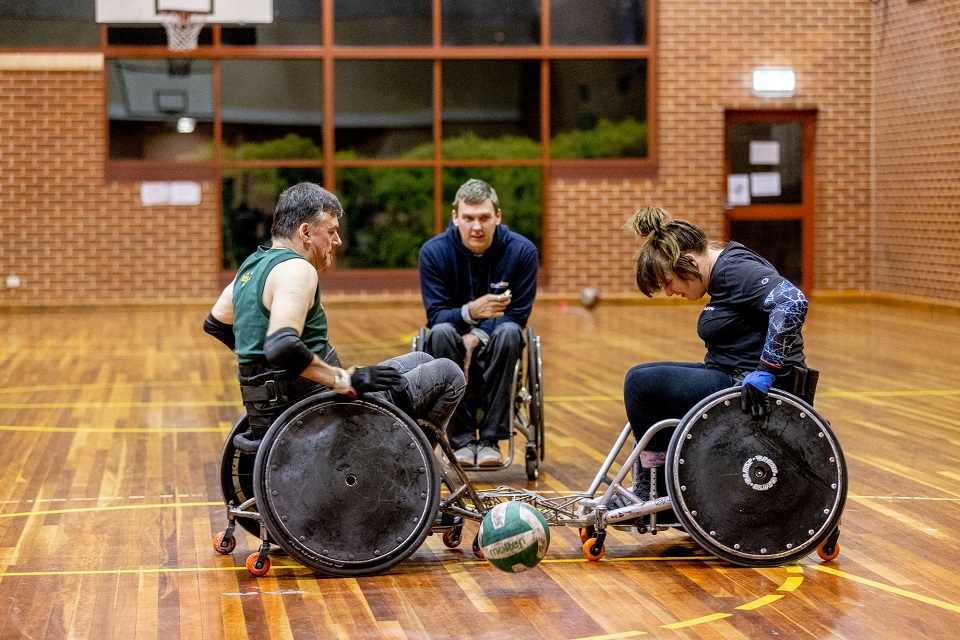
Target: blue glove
point(753, 394)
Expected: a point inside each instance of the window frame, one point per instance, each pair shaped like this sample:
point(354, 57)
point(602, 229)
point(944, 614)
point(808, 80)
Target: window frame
point(328, 53)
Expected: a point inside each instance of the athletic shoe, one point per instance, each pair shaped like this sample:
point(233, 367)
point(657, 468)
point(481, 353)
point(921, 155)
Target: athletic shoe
point(488, 456)
point(466, 456)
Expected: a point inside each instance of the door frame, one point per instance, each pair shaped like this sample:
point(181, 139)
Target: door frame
point(805, 211)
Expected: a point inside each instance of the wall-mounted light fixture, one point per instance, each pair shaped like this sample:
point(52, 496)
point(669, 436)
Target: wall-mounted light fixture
point(774, 82)
point(186, 125)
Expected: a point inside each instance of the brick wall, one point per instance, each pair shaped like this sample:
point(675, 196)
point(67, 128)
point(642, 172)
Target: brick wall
point(917, 148)
point(69, 236)
point(707, 52)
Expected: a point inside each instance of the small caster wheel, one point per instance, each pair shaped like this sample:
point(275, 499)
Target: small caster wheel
point(586, 533)
point(453, 538)
point(592, 550)
point(257, 567)
point(533, 469)
point(477, 551)
point(828, 551)
point(224, 545)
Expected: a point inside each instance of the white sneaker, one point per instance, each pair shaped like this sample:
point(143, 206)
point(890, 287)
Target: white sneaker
point(466, 456)
point(489, 457)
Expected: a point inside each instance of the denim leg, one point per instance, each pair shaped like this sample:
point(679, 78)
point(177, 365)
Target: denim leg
point(445, 341)
point(434, 385)
point(663, 390)
point(497, 360)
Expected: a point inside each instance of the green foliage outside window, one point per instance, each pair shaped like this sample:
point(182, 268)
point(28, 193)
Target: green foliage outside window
point(389, 210)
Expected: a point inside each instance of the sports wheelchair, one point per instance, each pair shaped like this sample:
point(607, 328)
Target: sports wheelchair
point(347, 487)
point(351, 487)
point(527, 415)
point(752, 492)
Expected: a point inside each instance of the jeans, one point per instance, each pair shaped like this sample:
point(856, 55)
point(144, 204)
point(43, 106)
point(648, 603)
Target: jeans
point(434, 386)
point(667, 390)
point(491, 382)
point(434, 389)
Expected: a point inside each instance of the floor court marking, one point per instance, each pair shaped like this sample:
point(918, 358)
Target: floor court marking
point(853, 395)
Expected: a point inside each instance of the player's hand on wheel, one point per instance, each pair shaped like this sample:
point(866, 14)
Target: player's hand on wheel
point(377, 378)
point(753, 394)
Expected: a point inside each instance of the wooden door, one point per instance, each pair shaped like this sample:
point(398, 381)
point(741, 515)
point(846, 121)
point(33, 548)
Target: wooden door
point(769, 165)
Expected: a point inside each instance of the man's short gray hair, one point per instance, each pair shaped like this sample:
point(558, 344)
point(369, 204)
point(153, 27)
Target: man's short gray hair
point(304, 202)
point(475, 191)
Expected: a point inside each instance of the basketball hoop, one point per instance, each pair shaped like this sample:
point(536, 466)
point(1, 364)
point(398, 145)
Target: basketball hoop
point(183, 28)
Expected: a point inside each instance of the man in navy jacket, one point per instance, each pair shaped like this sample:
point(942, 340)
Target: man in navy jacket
point(478, 280)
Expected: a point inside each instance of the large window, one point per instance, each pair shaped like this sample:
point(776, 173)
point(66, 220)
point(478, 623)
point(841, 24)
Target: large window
point(391, 104)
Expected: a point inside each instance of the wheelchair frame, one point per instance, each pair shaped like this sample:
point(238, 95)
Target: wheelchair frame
point(526, 418)
point(821, 473)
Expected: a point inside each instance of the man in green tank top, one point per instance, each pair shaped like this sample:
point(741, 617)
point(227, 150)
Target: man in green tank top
point(272, 317)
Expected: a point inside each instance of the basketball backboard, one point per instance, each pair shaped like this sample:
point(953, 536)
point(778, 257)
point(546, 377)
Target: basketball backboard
point(150, 11)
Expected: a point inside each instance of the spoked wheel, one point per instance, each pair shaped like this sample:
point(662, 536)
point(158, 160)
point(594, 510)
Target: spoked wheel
point(535, 388)
point(346, 487)
point(236, 475)
point(758, 493)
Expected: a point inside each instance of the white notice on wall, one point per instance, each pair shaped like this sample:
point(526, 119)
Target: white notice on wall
point(764, 152)
point(738, 189)
point(185, 192)
point(152, 193)
point(764, 184)
point(179, 192)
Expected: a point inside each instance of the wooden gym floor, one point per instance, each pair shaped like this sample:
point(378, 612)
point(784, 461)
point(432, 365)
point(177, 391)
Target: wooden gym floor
point(112, 421)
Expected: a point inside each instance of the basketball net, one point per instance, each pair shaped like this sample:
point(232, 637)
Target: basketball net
point(183, 29)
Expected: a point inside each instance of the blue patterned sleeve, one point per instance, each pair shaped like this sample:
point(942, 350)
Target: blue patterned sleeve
point(787, 307)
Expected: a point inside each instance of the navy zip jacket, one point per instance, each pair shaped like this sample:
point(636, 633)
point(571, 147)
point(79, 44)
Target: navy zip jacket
point(451, 276)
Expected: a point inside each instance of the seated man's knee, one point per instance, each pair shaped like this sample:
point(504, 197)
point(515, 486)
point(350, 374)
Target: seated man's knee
point(443, 335)
point(509, 333)
point(451, 373)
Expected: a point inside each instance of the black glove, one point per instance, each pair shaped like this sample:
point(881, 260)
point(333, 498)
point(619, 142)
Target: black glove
point(753, 394)
point(378, 378)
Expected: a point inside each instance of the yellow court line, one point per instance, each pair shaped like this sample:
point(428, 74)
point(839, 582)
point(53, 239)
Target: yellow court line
point(106, 572)
point(114, 405)
point(125, 507)
point(695, 621)
point(853, 395)
point(614, 636)
point(759, 602)
point(158, 430)
point(895, 590)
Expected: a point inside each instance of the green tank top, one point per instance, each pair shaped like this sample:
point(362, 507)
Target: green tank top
point(251, 317)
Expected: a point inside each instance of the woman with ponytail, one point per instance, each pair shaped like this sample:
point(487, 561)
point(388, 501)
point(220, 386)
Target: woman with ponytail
point(750, 327)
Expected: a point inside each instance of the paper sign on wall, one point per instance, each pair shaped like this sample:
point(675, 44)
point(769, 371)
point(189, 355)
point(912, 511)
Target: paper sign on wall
point(738, 189)
point(765, 184)
point(178, 192)
point(764, 152)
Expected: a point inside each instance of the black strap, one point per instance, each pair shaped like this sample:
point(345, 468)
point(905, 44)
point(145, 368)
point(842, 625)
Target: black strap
point(274, 390)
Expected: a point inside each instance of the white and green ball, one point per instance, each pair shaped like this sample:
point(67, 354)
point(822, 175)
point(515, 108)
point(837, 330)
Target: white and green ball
point(514, 536)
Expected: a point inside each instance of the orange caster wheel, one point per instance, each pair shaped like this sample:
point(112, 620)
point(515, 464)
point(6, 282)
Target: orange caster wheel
point(828, 551)
point(586, 533)
point(477, 551)
point(452, 538)
point(224, 546)
point(255, 568)
point(592, 550)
